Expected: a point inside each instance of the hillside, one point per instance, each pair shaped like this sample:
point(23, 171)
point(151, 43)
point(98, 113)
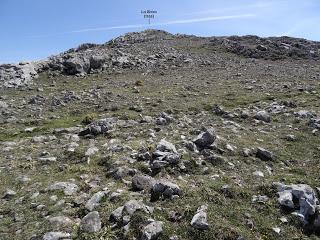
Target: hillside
point(160, 136)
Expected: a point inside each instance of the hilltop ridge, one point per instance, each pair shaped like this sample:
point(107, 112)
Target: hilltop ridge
point(156, 49)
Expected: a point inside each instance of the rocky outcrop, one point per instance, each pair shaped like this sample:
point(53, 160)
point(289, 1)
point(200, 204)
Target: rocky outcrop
point(273, 48)
point(151, 50)
point(17, 75)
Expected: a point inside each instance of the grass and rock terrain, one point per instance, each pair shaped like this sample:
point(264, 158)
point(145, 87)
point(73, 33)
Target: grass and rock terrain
point(160, 136)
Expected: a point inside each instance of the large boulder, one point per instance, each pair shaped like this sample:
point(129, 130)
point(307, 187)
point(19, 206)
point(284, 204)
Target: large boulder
point(301, 197)
point(76, 65)
point(91, 222)
point(205, 139)
point(265, 155)
point(142, 182)
point(96, 62)
point(152, 231)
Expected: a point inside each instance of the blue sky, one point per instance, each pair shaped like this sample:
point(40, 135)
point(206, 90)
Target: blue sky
point(36, 29)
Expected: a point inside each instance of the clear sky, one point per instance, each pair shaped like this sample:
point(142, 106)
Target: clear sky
point(36, 29)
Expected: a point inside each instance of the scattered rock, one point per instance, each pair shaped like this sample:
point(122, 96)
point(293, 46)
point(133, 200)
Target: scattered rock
point(276, 230)
point(142, 182)
point(152, 231)
point(199, 220)
point(300, 196)
point(259, 199)
point(46, 160)
point(205, 139)
point(94, 201)
point(56, 236)
point(60, 222)
point(68, 188)
point(3, 105)
point(101, 126)
point(265, 155)
point(128, 209)
point(258, 174)
point(164, 119)
point(263, 116)
point(166, 152)
point(290, 138)
point(91, 151)
point(9, 194)
point(164, 189)
point(165, 146)
point(91, 222)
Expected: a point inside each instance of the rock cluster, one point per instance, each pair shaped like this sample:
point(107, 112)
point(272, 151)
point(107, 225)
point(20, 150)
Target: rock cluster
point(303, 198)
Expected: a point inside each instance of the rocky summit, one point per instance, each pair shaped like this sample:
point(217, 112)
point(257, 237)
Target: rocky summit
point(160, 136)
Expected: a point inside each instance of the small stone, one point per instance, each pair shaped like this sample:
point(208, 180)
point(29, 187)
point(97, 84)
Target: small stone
point(3, 105)
point(259, 199)
point(81, 199)
point(54, 198)
point(290, 138)
point(56, 236)
point(263, 116)
point(284, 220)
point(30, 129)
point(68, 188)
point(23, 179)
point(45, 160)
point(258, 174)
point(301, 196)
point(39, 139)
point(199, 220)
point(276, 230)
point(9, 194)
point(114, 196)
point(246, 152)
point(60, 221)
point(91, 151)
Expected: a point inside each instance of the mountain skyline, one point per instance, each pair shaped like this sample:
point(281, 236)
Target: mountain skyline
point(34, 31)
